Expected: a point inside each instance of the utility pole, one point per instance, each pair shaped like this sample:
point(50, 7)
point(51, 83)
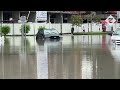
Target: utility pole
point(1, 21)
point(12, 21)
point(91, 20)
point(61, 14)
point(92, 15)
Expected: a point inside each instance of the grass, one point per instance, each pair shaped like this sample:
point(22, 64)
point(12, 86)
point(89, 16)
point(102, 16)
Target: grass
point(90, 33)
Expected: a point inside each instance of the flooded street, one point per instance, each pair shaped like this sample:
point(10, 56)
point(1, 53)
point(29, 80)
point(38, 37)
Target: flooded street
point(72, 57)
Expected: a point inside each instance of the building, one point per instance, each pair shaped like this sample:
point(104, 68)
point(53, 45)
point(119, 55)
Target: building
point(52, 16)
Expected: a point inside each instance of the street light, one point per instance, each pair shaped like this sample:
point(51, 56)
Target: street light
point(11, 19)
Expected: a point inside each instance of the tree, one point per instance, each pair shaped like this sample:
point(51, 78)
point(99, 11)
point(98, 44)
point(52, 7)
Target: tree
point(76, 20)
point(97, 19)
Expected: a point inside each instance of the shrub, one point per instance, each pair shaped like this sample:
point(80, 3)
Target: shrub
point(41, 28)
point(26, 28)
point(5, 30)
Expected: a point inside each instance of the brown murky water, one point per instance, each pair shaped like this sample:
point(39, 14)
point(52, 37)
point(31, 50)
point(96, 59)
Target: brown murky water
point(72, 57)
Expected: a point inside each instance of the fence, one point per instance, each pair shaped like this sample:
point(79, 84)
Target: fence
point(66, 28)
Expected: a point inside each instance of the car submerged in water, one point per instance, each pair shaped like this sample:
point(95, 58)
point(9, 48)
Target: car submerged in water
point(116, 36)
point(48, 33)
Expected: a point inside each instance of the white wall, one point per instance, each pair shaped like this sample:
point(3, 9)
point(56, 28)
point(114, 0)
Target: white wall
point(66, 28)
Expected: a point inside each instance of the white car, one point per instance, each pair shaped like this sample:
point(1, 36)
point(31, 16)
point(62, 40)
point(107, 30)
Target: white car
point(48, 33)
point(116, 36)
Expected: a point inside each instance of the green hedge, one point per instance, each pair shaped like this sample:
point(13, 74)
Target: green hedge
point(90, 33)
point(5, 30)
point(27, 26)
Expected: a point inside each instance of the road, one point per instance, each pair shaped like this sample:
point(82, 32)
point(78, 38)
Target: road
point(72, 57)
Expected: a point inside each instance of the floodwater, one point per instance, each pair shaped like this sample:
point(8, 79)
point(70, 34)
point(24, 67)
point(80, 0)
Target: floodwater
point(72, 57)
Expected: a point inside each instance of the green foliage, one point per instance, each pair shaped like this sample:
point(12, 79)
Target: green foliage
point(41, 28)
point(0, 29)
point(26, 28)
point(96, 19)
point(5, 30)
point(91, 33)
point(76, 20)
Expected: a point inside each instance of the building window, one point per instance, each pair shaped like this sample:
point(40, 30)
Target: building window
point(22, 13)
point(52, 16)
point(65, 18)
point(7, 16)
point(52, 20)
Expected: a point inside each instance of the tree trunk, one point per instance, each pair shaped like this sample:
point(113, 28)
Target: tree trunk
point(88, 26)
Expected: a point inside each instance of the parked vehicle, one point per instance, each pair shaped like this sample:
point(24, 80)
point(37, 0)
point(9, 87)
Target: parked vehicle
point(48, 33)
point(116, 36)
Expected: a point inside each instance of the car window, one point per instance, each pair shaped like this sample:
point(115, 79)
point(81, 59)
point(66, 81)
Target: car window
point(47, 31)
point(51, 30)
point(117, 31)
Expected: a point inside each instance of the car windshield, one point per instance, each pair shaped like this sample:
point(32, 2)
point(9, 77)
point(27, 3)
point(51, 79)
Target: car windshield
point(117, 31)
point(53, 30)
